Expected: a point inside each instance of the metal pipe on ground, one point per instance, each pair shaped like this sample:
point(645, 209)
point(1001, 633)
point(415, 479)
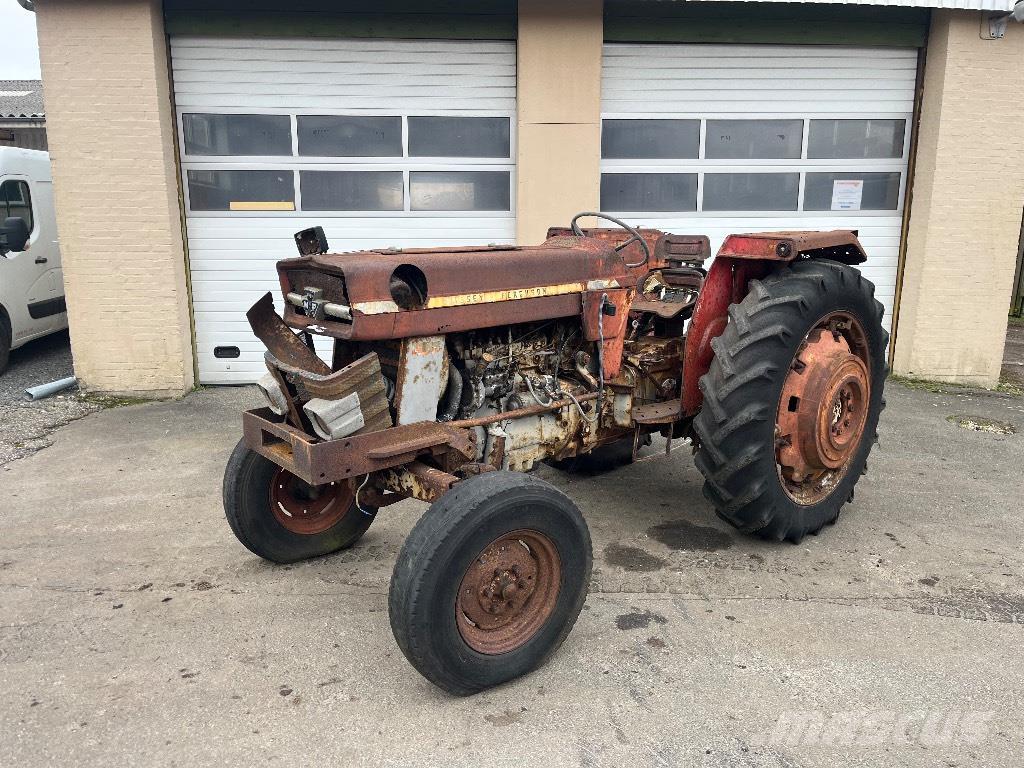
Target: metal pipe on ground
point(45, 390)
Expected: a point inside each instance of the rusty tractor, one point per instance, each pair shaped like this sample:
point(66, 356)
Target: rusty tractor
point(455, 370)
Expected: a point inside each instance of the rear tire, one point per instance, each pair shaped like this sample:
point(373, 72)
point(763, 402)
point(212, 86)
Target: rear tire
point(264, 506)
point(823, 311)
point(465, 627)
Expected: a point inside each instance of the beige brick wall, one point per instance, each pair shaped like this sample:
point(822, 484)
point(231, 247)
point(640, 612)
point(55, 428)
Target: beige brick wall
point(967, 201)
point(559, 107)
point(111, 134)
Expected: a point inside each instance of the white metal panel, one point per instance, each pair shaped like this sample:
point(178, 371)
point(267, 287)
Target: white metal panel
point(347, 75)
point(761, 81)
point(708, 80)
point(232, 254)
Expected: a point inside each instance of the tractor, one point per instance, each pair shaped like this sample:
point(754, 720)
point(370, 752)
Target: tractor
point(455, 371)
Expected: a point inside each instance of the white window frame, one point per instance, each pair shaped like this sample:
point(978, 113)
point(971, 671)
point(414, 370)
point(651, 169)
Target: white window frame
point(298, 163)
point(701, 165)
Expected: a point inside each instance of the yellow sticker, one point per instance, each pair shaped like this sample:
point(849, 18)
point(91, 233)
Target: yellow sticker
point(255, 205)
point(511, 294)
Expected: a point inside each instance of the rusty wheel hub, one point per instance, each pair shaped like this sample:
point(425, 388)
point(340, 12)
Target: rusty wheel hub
point(508, 592)
point(308, 509)
point(822, 410)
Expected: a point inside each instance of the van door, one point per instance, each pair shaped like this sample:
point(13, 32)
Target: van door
point(33, 289)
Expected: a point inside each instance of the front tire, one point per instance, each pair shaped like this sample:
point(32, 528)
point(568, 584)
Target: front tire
point(792, 400)
point(282, 519)
point(490, 581)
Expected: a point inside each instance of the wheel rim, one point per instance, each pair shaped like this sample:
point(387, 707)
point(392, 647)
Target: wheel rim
point(307, 509)
point(508, 592)
point(823, 408)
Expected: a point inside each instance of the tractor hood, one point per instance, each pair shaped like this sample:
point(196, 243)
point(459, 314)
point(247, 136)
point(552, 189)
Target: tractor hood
point(392, 293)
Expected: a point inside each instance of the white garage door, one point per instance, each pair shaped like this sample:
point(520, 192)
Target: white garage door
point(727, 138)
point(404, 143)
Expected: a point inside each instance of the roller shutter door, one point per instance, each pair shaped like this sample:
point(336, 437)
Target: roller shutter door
point(406, 143)
point(732, 138)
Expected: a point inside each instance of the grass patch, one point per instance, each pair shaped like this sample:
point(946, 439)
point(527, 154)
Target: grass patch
point(111, 401)
point(1016, 321)
point(927, 385)
point(1008, 386)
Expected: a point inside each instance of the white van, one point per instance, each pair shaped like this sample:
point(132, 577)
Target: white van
point(31, 280)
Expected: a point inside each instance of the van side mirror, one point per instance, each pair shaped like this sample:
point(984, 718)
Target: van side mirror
point(14, 234)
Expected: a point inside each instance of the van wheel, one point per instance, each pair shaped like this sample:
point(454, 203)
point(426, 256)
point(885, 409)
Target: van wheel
point(5, 341)
point(490, 581)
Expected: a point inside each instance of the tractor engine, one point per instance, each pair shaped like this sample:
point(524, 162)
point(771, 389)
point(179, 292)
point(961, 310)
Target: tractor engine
point(540, 352)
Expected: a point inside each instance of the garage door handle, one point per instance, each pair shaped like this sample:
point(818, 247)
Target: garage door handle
point(40, 259)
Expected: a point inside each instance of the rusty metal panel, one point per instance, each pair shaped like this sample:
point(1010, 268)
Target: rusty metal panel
point(840, 244)
point(280, 339)
point(322, 462)
point(421, 377)
point(726, 284)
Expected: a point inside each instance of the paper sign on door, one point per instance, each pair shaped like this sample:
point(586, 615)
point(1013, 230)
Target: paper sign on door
point(847, 194)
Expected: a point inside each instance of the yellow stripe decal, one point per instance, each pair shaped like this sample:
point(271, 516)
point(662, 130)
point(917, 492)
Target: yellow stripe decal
point(261, 205)
point(511, 294)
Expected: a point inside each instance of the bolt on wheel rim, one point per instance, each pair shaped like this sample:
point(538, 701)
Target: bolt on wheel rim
point(823, 408)
point(508, 592)
point(307, 509)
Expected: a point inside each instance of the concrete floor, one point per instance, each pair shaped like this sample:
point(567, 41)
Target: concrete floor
point(1013, 353)
point(134, 630)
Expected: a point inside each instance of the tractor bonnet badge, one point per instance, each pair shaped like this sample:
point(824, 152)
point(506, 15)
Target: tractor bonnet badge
point(311, 304)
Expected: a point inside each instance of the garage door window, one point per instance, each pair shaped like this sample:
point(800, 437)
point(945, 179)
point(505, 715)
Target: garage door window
point(246, 135)
point(650, 139)
point(856, 138)
point(754, 139)
point(349, 136)
point(876, 191)
point(352, 190)
point(459, 137)
point(241, 190)
point(751, 191)
point(770, 165)
point(649, 191)
point(348, 164)
point(459, 190)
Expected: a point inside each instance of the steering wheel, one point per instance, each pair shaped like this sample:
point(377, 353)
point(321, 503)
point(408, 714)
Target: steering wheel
point(636, 236)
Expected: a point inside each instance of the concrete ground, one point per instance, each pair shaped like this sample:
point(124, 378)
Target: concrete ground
point(134, 629)
point(1013, 353)
point(25, 426)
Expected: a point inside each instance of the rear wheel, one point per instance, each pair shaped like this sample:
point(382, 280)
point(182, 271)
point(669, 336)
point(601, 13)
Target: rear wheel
point(490, 581)
point(283, 519)
point(792, 400)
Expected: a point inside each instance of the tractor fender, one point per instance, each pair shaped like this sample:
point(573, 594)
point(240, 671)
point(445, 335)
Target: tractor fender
point(743, 258)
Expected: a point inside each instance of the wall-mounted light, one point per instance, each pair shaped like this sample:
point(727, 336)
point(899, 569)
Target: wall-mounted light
point(994, 23)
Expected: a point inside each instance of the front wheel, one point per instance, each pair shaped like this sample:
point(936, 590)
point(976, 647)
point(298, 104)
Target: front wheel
point(283, 519)
point(490, 581)
point(792, 400)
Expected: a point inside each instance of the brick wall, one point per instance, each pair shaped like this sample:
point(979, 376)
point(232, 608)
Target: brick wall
point(967, 201)
point(111, 135)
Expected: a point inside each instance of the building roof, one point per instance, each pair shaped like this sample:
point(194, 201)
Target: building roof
point(21, 99)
